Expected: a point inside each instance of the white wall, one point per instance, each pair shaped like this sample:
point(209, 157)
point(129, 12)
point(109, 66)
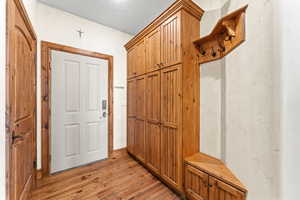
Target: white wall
point(211, 84)
point(239, 103)
point(289, 47)
point(60, 27)
point(2, 97)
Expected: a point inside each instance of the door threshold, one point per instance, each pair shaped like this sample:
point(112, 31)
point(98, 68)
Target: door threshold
point(80, 166)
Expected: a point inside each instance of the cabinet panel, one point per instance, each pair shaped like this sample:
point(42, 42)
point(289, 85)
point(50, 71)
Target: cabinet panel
point(140, 118)
point(140, 139)
point(171, 140)
point(153, 141)
point(196, 184)
point(140, 98)
point(153, 97)
point(222, 191)
point(131, 98)
point(171, 41)
point(140, 67)
point(153, 49)
point(131, 135)
point(131, 63)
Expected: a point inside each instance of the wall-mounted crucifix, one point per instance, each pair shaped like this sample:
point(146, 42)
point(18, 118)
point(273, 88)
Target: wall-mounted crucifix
point(80, 32)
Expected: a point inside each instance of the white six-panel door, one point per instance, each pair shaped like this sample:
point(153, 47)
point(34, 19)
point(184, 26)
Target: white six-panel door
point(79, 106)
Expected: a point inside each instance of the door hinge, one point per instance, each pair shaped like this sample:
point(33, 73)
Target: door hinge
point(34, 164)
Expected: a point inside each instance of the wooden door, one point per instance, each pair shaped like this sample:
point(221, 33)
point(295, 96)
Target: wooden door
point(153, 136)
point(140, 58)
point(196, 184)
point(153, 48)
point(131, 63)
point(131, 114)
point(221, 191)
point(171, 41)
point(21, 100)
point(140, 118)
point(171, 139)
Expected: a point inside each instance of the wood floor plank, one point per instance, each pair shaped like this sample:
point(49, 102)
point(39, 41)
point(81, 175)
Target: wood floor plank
point(118, 178)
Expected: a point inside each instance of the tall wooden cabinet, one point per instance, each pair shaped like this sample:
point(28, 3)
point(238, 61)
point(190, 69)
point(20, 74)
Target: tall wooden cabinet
point(163, 92)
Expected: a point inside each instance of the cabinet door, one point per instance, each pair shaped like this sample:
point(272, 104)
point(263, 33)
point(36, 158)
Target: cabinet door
point(171, 41)
point(131, 98)
point(140, 118)
point(153, 48)
point(222, 191)
point(131, 135)
point(171, 141)
point(140, 58)
point(153, 121)
point(131, 114)
point(131, 63)
point(196, 184)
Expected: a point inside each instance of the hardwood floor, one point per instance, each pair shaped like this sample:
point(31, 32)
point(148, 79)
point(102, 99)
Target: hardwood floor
point(118, 178)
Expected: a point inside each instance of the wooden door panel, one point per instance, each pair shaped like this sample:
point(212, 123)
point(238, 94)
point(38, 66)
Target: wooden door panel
point(140, 139)
point(171, 96)
point(153, 51)
point(140, 98)
point(171, 140)
point(171, 41)
point(21, 100)
point(153, 97)
point(131, 134)
point(153, 136)
point(24, 83)
point(24, 166)
point(196, 184)
point(131, 63)
point(170, 156)
point(131, 98)
point(153, 146)
point(140, 118)
point(222, 191)
point(140, 58)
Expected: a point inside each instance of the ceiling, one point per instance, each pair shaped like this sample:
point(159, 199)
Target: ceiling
point(129, 16)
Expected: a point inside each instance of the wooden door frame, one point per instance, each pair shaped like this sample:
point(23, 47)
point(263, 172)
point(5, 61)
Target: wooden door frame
point(46, 48)
point(8, 135)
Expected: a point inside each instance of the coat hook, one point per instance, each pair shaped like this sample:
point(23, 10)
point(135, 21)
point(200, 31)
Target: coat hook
point(222, 48)
point(213, 53)
point(202, 51)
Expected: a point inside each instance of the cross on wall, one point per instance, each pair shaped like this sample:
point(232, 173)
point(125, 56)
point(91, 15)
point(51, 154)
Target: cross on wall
point(80, 32)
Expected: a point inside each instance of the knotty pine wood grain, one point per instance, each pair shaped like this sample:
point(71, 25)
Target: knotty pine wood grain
point(216, 168)
point(119, 177)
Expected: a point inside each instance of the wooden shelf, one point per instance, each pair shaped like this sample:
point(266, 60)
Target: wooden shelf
point(216, 168)
point(228, 34)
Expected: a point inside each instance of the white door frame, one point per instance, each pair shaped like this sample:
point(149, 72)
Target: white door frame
point(47, 47)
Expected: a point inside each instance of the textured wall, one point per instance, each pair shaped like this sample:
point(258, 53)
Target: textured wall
point(239, 100)
point(211, 82)
point(287, 32)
